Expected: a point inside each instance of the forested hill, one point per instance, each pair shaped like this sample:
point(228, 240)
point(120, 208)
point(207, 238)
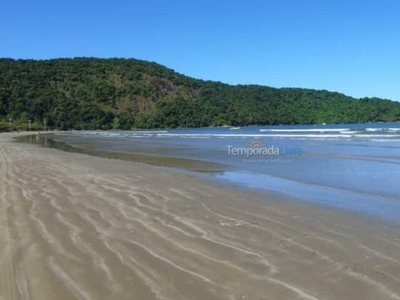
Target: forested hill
point(90, 93)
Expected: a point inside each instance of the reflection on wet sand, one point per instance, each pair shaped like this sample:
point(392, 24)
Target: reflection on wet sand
point(46, 140)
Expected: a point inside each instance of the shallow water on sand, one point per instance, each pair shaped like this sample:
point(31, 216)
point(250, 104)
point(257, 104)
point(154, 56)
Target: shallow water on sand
point(354, 166)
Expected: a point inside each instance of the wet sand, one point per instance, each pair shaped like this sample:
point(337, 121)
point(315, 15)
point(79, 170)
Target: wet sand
point(74, 226)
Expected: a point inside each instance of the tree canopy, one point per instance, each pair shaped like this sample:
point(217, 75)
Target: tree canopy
point(92, 93)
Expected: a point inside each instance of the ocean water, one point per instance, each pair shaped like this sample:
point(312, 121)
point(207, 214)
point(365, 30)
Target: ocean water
point(353, 166)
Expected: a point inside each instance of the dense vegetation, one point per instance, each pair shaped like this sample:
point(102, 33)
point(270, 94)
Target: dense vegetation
point(90, 93)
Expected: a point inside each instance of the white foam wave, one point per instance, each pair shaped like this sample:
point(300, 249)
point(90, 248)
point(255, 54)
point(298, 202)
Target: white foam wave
point(307, 130)
point(200, 135)
point(377, 135)
point(326, 133)
point(148, 131)
point(382, 129)
point(349, 132)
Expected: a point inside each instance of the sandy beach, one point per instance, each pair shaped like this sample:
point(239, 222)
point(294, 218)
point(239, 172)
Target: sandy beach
point(74, 226)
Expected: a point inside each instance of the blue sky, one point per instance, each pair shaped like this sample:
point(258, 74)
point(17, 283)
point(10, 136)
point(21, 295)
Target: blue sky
point(347, 46)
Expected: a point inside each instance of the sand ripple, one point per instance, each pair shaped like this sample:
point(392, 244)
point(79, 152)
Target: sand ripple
point(78, 227)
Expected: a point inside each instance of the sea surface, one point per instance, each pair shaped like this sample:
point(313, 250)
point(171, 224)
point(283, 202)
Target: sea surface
point(352, 166)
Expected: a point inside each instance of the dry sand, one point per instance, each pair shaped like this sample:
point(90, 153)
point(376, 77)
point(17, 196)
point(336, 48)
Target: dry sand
point(79, 227)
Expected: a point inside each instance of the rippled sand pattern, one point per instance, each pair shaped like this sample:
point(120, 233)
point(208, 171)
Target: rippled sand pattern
point(80, 227)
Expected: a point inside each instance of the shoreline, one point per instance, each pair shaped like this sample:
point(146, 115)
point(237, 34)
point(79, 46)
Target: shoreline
point(94, 228)
point(159, 161)
point(249, 181)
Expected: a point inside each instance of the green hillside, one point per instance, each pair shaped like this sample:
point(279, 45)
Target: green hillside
point(90, 93)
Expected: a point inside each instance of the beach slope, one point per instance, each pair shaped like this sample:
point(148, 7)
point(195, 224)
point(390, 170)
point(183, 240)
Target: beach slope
point(74, 226)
